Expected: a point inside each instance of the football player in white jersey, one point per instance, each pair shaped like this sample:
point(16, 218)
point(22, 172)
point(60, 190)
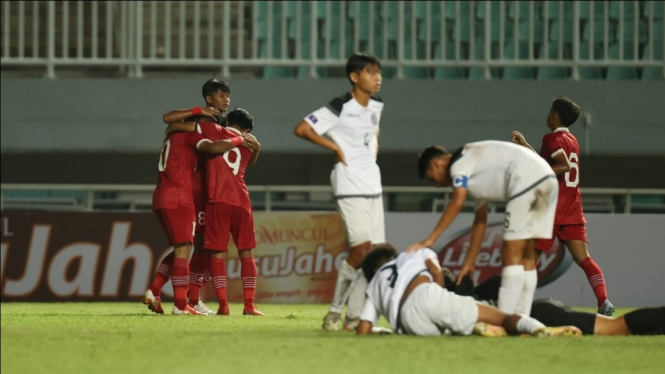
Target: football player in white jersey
point(352, 122)
point(497, 171)
point(409, 291)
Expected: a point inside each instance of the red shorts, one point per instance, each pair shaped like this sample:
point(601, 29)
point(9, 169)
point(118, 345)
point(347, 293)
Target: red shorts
point(564, 233)
point(223, 221)
point(178, 224)
point(200, 209)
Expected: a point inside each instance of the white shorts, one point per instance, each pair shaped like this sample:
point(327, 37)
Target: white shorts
point(530, 214)
point(363, 219)
point(431, 310)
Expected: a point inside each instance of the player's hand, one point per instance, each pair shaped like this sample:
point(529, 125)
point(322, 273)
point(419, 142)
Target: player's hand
point(339, 156)
point(427, 243)
point(253, 143)
point(518, 138)
point(213, 113)
point(466, 270)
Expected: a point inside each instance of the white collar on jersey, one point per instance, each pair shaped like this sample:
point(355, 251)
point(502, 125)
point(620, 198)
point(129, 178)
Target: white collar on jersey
point(562, 129)
point(234, 130)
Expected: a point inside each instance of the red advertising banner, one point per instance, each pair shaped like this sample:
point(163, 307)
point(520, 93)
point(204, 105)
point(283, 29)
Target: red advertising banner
point(90, 256)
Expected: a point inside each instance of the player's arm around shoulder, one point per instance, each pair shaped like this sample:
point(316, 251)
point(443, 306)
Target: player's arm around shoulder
point(181, 115)
point(254, 146)
point(182, 126)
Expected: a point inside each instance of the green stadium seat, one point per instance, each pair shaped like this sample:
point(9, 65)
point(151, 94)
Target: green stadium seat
point(462, 29)
point(302, 72)
point(586, 12)
point(553, 8)
point(478, 72)
point(363, 12)
point(567, 31)
point(415, 72)
point(538, 31)
point(275, 72)
point(629, 9)
point(629, 31)
point(598, 29)
point(621, 72)
point(451, 9)
point(657, 33)
point(435, 18)
point(495, 10)
point(552, 72)
point(515, 72)
point(590, 72)
point(658, 9)
point(653, 73)
point(446, 72)
point(261, 9)
point(524, 10)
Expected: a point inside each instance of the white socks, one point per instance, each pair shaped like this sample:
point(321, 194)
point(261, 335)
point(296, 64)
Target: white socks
point(528, 291)
point(357, 297)
point(346, 276)
point(528, 325)
point(512, 282)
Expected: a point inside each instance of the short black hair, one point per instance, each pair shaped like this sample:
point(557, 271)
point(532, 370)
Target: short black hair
point(424, 158)
point(568, 111)
point(214, 85)
point(358, 61)
point(379, 255)
point(241, 118)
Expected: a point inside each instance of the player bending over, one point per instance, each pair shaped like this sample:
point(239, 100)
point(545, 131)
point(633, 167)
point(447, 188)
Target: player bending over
point(561, 150)
point(497, 171)
point(408, 291)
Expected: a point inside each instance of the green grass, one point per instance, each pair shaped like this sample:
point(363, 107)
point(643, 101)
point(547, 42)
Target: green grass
point(126, 338)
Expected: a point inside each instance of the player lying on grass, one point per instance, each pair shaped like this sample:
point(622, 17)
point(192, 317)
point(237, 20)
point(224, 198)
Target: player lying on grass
point(644, 321)
point(560, 149)
point(408, 291)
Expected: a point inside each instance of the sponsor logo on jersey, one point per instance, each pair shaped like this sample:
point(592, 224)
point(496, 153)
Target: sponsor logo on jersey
point(551, 266)
point(460, 181)
point(313, 118)
point(375, 119)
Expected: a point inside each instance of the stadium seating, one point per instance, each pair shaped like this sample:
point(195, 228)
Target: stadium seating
point(590, 72)
point(653, 73)
point(553, 72)
point(514, 72)
point(446, 72)
point(621, 72)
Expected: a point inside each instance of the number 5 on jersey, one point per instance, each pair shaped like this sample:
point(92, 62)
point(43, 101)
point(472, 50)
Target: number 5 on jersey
point(235, 165)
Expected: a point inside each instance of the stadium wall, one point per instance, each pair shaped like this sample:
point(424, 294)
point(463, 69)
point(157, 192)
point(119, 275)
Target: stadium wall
point(124, 115)
point(74, 256)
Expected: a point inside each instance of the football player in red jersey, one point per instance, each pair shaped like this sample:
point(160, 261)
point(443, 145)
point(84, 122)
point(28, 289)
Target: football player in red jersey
point(561, 150)
point(229, 209)
point(174, 207)
point(217, 96)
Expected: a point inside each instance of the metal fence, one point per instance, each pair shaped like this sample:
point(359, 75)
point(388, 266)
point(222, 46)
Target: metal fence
point(416, 39)
point(90, 197)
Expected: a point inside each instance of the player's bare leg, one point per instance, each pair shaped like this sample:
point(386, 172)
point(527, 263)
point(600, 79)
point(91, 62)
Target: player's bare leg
point(346, 277)
point(218, 272)
point(580, 252)
point(248, 276)
point(512, 274)
point(529, 260)
point(519, 324)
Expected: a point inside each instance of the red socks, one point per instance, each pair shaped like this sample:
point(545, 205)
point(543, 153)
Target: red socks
point(248, 276)
point(596, 279)
point(196, 268)
point(163, 274)
point(218, 271)
point(179, 279)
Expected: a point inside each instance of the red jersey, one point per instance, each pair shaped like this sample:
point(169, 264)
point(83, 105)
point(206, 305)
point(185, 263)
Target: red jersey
point(569, 207)
point(225, 173)
point(177, 162)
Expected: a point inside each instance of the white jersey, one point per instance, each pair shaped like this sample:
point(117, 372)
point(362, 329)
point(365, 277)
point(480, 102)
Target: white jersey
point(497, 171)
point(354, 128)
point(385, 290)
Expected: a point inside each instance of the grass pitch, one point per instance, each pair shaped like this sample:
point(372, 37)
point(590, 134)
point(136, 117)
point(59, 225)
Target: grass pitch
point(126, 338)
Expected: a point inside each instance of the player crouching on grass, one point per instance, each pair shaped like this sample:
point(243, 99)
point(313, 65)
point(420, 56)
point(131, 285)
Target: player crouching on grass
point(408, 290)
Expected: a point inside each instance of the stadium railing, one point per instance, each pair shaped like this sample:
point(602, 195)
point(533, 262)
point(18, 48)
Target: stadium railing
point(91, 197)
point(415, 39)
